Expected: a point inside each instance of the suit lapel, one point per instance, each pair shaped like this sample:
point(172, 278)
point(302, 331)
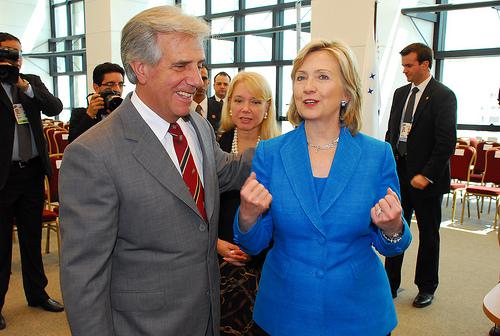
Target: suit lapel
point(300, 176)
point(344, 164)
point(150, 153)
point(4, 99)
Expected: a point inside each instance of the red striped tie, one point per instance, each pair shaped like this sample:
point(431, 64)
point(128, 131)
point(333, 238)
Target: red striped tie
point(188, 168)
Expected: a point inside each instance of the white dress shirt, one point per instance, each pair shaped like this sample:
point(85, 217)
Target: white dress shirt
point(204, 107)
point(160, 128)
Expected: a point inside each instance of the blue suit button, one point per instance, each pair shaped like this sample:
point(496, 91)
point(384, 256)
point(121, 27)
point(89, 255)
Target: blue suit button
point(320, 274)
point(202, 227)
point(321, 240)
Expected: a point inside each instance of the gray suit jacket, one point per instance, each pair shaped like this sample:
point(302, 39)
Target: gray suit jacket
point(137, 257)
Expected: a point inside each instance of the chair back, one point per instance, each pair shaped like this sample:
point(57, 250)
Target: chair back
point(48, 131)
point(482, 147)
point(61, 140)
point(461, 162)
point(492, 166)
point(53, 191)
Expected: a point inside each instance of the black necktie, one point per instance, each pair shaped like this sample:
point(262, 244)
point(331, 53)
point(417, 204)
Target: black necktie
point(23, 132)
point(407, 119)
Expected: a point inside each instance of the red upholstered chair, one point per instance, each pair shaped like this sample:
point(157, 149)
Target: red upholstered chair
point(482, 147)
point(461, 142)
point(60, 140)
point(50, 221)
point(473, 142)
point(52, 199)
point(490, 186)
point(460, 163)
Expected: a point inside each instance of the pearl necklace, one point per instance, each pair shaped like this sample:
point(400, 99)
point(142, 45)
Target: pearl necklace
point(327, 146)
point(234, 145)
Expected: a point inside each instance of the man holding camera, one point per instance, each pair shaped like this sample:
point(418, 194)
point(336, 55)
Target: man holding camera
point(108, 87)
point(24, 163)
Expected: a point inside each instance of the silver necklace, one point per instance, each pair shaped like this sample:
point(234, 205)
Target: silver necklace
point(234, 145)
point(327, 146)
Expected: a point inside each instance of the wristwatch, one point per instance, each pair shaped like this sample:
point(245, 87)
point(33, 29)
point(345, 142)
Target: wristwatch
point(394, 238)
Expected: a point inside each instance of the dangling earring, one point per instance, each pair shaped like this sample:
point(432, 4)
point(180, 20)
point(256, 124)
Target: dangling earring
point(265, 116)
point(231, 113)
point(343, 105)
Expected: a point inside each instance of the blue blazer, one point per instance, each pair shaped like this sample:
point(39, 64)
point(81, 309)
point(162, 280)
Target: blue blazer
point(322, 275)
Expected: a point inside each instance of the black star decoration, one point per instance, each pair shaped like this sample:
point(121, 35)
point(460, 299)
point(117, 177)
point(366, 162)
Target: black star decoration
point(370, 90)
point(372, 76)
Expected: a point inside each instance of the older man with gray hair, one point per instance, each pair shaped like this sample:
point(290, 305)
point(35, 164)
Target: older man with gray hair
point(139, 195)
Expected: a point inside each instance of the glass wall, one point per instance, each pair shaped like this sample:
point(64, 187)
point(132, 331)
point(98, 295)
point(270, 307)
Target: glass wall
point(468, 56)
point(67, 57)
point(255, 35)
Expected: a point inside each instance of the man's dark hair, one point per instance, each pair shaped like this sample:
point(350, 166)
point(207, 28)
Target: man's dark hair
point(104, 68)
point(222, 73)
point(424, 53)
point(8, 37)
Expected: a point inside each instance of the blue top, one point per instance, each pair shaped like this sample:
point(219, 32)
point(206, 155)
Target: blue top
point(322, 275)
point(319, 185)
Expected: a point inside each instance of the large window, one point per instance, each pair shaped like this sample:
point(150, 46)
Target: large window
point(467, 51)
point(255, 35)
point(470, 60)
point(67, 58)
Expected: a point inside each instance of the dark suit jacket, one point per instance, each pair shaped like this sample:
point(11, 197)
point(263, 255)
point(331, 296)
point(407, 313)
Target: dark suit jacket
point(42, 102)
point(432, 138)
point(79, 122)
point(214, 112)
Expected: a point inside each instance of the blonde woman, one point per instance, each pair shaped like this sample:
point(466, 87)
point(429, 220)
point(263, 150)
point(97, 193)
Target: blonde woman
point(248, 116)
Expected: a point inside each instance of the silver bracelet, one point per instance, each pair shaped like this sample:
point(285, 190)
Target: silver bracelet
point(393, 239)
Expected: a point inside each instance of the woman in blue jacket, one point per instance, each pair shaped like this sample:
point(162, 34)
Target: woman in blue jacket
point(327, 196)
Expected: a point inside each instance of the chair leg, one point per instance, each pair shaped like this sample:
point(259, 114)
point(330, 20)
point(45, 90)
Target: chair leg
point(447, 198)
point(477, 206)
point(497, 213)
point(453, 205)
point(58, 233)
point(465, 200)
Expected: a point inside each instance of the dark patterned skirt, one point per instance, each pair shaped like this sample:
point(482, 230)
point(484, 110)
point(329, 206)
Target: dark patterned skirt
point(238, 291)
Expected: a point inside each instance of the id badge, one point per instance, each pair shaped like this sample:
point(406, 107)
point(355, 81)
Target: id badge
point(20, 115)
point(405, 130)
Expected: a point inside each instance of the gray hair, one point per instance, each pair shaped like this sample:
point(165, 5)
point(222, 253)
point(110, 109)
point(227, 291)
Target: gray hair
point(139, 36)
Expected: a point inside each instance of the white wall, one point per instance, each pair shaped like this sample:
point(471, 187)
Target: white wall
point(352, 22)
point(104, 20)
point(29, 21)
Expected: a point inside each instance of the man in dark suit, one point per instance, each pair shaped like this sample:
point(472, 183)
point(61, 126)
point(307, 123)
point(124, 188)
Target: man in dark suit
point(107, 77)
point(221, 84)
point(24, 163)
point(422, 133)
point(139, 195)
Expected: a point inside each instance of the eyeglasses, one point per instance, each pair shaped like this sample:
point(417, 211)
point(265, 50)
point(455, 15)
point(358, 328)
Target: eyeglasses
point(113, 84)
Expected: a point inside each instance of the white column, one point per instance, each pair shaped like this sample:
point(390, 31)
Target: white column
point(104, 20)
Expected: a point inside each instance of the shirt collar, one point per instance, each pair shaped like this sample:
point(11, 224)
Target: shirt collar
point(421, 87)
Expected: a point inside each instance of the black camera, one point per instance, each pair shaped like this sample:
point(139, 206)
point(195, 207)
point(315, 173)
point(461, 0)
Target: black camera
point(8, 54)
point(111, 99)
point(9, 73)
